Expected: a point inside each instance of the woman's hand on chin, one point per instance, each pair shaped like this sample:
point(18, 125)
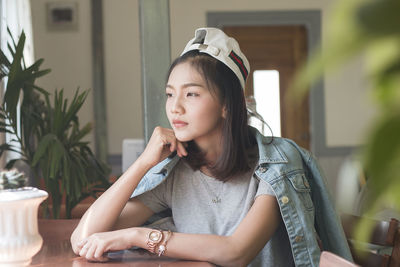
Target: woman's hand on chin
point(161, 144)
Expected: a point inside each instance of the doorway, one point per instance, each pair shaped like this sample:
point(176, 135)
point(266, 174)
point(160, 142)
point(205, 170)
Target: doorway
point(280, 48)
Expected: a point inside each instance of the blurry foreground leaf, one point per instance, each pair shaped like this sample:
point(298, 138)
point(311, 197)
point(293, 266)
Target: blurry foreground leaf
point(370, 28)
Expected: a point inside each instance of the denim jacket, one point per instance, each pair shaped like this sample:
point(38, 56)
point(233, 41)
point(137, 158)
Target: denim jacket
point(304, 201)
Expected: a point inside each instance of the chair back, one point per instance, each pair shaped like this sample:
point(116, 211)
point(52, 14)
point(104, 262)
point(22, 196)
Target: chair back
point(383, 248)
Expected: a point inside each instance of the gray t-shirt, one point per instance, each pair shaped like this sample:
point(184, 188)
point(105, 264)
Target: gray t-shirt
point(204, 205)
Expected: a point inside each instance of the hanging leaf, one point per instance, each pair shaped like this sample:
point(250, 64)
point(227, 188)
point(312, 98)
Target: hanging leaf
point(370, 28)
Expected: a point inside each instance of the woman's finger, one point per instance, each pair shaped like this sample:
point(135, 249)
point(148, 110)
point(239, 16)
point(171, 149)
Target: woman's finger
point(181, 149)
point(99, 254)
point(81, 244)
point(90, 252)
point(172, 145)
point(83, 250)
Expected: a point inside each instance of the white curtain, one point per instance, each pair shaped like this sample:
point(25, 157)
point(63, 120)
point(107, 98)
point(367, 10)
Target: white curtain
point(16, 15)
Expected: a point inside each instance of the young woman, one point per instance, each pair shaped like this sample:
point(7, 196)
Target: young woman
point(237, 198)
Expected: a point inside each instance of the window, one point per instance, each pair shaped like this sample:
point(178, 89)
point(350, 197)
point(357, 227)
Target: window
point(267, 98)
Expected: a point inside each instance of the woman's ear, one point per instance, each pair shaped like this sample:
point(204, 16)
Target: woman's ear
point(224, 111)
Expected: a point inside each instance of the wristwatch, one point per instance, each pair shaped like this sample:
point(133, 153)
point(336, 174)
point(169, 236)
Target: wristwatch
point(154, 237)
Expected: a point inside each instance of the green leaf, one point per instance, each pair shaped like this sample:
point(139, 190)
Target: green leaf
point(382, 155)
point(41, 90)
point(3, 148)
point(42, 147)
point(17, 56)
point(66, 173)
point(76, 104)
point(5, 130)
point(4, 61)
point(57, 153)
point(11, 36)
point(379, 18)
point(10, 164)
point(82, 133)
point(40, 73)
point(14, 83)
point(56, 198)
point(35, 66)
point(11, 49)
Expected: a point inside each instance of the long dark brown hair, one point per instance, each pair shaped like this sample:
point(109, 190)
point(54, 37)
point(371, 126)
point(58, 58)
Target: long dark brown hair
point(237, 139)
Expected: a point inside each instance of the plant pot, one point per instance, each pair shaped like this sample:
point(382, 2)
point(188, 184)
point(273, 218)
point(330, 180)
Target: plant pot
point(19, 236)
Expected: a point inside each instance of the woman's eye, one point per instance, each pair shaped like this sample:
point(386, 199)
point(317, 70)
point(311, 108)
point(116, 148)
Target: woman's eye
point(192, 94)
point(168, 95)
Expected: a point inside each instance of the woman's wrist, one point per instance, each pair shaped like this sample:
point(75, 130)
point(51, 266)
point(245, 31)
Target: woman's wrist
point(162, 247)
point(143, 164)
point(143, 238)
point(139, 236)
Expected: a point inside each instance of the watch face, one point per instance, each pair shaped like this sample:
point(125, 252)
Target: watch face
point(155, 236)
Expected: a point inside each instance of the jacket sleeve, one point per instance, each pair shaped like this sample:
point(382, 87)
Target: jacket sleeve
point(327, 221)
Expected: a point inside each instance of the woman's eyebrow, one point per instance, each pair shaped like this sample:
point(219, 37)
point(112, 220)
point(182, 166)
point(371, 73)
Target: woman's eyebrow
point(192, 85)
point(186, 85)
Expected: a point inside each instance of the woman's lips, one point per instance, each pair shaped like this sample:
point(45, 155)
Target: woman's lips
point(179, 124)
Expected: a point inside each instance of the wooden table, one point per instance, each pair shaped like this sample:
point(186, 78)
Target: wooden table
point(56, 251)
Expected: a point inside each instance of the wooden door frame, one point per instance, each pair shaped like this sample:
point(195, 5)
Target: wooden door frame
point(311, 19)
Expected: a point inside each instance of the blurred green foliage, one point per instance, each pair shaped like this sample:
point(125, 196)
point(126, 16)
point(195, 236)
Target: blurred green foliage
point(48, 135)
point(370, 28)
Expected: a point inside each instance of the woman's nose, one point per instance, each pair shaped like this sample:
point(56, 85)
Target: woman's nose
point(177, 105)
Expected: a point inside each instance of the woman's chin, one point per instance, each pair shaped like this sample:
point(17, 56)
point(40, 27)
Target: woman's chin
point(182, 138)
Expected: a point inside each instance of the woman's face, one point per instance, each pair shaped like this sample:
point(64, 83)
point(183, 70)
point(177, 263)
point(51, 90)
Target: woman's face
point(193, 112)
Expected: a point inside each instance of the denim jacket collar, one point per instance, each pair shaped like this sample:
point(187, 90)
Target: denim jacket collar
point(268, 151)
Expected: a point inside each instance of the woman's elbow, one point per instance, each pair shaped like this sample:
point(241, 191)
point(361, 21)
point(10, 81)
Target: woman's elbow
point(74, 243)
point(239, 260)
point(232, 256)
point(75, 238)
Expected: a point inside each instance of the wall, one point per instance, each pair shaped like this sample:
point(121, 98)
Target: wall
point(67, 53)
point(348, 109)
point(123, 72)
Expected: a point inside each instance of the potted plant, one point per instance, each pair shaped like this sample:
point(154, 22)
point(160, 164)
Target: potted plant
point(19, 236)
point(48, 135)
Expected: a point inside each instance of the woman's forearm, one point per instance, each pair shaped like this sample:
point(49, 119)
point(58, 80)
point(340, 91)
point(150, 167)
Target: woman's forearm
point(236, 250)
point(239, 249)
point(104, 212)
point(220, 250)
